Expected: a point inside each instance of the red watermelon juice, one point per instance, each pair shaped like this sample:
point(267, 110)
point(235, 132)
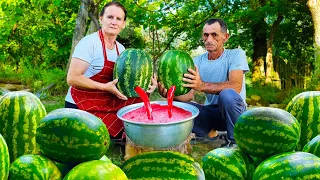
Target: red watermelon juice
point(156, 113)
point(159, 113)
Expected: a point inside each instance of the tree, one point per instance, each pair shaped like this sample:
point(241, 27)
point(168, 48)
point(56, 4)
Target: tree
point(314, 6)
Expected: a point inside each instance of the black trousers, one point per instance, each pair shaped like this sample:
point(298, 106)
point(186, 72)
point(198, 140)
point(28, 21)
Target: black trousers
point(70, 105)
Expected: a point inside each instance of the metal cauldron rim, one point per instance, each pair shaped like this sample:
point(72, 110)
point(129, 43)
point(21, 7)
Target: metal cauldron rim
point(194, 110)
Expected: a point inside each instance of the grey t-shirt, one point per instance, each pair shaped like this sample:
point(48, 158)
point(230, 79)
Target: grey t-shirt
point(89, 49)
point(216, 71)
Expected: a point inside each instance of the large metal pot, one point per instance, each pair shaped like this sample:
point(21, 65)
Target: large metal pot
point(160, 135)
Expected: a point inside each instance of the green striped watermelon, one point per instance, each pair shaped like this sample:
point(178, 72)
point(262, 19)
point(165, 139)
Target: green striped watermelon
point(313, 146)
point(106, 159)
point(63, 168)
point(33, 167)
point(20, 113)
point(227, 164)
point(265, 131)
point(4, 159)
point(290, 166)
point(133, 68)
point(162, 165)
point(72, 136)
point(171, 67)
point(306, 108)
point(96, 170)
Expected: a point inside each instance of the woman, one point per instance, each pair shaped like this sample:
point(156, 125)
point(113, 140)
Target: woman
point(90, 74)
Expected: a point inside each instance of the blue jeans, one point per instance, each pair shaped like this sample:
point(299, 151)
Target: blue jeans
point(221, 116)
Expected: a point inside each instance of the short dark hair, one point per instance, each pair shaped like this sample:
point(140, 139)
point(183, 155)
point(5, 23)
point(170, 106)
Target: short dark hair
point(224, 26)
point(113, 3)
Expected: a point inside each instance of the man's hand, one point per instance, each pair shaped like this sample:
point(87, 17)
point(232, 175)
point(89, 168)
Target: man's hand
point(162, 90)
point(153, 84)
point(193, 79)
point(111, 87)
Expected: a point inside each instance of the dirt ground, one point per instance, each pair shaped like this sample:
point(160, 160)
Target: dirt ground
point(116, 152)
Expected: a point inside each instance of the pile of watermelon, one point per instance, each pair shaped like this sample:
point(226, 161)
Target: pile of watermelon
point(272, 144)
point(71, 144)
point(65, 142)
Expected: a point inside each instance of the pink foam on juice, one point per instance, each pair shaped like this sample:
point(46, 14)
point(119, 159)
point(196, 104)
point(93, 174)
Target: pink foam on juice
point(159, 113)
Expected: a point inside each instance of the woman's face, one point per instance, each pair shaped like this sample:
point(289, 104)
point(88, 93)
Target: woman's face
point(112, 20)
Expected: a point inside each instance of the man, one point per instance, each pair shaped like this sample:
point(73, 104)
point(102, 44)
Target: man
point(219, 74)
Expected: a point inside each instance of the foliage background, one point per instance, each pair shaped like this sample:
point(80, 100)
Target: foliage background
point(36, 38)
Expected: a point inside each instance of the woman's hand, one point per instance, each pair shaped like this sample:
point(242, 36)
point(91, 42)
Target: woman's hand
point(153, 84)
point(112, 88)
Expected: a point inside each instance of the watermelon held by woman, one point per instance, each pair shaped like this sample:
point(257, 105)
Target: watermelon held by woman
point(4, 159)
point(96, 170)
point(31, 166)
point(72, 136)
point(133, 68)
point(264, 131)
point(171, 67)
point(20, 114)
point(305, 107)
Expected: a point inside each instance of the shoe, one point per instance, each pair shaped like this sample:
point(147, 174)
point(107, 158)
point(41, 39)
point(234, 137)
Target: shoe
point(205, 139)
point(229, 144)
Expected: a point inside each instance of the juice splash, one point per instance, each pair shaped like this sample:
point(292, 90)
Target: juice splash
point(170, 95)
point(145, 100)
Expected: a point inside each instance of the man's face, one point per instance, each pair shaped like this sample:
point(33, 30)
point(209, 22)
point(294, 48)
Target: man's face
point(213, 38)
point(112, 20)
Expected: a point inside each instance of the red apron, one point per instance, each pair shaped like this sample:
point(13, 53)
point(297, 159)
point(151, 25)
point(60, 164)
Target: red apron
point(101, 103)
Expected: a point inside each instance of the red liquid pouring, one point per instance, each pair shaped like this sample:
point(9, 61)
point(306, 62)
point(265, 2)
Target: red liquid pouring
point(145, 100)
point(170, 95)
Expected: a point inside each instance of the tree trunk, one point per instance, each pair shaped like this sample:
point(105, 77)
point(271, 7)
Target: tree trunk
point(269, 60)
point(314, 6)
point(277, 69)
point(94, 23)
point(259, 49)
point(81, 26)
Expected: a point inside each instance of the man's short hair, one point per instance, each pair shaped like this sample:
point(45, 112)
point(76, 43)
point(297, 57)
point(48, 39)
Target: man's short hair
point(224, 26)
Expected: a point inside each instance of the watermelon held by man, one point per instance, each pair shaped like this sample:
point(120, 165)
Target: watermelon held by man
point(172, 65)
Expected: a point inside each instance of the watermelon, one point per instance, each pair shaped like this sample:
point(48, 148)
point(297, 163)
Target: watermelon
point(133, 68)
point(162, 165)
point(63, 168)
point(96, 170)
point(106, 159)
point(31, 166)
point(306, 108)
point(227, 163)
point(171, 67)
point(313, 146)
point(4, 159)
point(265, 131)
point(72, 136)
point(20, 113)
point(289, 165)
